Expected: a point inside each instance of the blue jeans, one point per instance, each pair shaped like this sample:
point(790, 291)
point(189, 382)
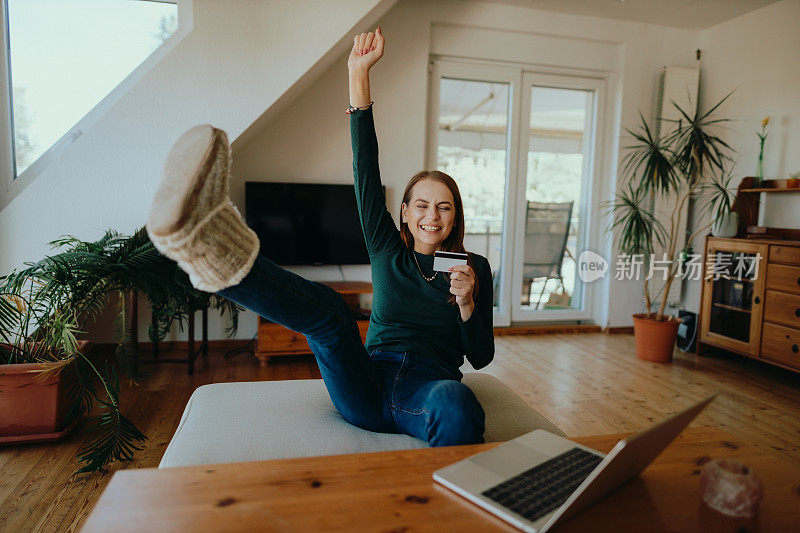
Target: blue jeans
point(389, 392)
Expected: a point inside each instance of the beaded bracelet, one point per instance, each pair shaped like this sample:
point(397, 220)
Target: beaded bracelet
point(351, 108)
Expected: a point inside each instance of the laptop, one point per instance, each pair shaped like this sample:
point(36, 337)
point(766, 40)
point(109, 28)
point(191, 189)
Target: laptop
point(540, 479)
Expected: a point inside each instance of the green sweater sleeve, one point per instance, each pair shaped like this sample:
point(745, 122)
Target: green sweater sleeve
point(380, 233)
point(477, 333)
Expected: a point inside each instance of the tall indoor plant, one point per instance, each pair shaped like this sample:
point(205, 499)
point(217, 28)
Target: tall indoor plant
point(683, 163)
point(44, 306)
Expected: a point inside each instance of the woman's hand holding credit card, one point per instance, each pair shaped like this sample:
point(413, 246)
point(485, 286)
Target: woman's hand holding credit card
point(462, 279)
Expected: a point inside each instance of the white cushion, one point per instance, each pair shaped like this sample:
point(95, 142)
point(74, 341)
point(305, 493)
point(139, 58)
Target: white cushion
point(255, 421)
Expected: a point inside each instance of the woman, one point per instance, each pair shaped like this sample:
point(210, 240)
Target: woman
point(406, 380)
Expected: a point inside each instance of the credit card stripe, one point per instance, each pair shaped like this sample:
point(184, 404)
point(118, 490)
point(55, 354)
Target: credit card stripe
point(451, 255)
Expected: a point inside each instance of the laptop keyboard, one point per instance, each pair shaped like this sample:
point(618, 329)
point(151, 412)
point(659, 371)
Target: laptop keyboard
point(543, 488)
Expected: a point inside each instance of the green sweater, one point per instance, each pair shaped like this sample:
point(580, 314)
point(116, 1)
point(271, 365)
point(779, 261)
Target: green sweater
point(410, 314)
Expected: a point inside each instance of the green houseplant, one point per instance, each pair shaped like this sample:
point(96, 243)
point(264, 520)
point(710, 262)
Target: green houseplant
point(46, 305)
point(33, 401)
point(686, 162)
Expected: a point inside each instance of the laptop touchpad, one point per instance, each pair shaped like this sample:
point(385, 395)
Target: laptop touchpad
point(509, 459)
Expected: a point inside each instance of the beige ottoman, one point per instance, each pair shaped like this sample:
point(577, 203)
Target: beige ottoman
point(256, 421)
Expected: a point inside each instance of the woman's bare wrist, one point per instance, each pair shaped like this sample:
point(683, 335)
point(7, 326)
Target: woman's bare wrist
point(358, 71)
point(359, 88)
point(466, 311)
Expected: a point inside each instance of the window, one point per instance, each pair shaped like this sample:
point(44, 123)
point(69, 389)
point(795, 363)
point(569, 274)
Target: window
point(65, 56)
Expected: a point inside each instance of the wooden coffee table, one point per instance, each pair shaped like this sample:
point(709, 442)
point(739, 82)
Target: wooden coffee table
point(394, 491)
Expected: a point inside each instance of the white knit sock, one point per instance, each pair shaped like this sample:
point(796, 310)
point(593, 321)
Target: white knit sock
point(193, 221)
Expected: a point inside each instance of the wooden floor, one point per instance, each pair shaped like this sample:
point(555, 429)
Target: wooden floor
point(587, 383)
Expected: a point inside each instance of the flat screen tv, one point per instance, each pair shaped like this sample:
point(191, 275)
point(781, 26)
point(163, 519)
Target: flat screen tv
point(306, 224)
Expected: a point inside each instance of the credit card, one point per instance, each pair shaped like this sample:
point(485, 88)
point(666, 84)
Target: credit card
point(444, 261)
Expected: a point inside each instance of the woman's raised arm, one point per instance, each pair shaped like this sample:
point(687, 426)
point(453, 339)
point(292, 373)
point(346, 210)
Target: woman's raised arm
point(380, 233)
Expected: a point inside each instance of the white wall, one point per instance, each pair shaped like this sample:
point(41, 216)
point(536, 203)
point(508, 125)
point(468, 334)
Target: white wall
point(758, 55)
point(310, 140)
point(242, 60)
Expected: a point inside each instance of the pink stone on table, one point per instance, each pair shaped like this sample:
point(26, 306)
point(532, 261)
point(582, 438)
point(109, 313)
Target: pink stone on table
point(731, 488)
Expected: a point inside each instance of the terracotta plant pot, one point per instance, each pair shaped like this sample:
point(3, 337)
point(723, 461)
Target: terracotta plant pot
point(30, 409)
point(655, 339)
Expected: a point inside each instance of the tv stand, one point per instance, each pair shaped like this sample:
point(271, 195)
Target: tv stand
point(274, 339)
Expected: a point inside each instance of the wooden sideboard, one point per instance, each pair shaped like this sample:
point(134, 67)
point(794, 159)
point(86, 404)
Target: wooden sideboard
point(758, 314)
point(274, 339)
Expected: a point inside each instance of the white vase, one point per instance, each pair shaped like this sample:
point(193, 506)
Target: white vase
point(727, 226)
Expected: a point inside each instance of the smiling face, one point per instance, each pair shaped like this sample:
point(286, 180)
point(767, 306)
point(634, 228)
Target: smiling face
point(430, 215)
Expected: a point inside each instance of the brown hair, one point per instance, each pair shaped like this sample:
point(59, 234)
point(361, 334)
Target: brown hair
point(455, 240)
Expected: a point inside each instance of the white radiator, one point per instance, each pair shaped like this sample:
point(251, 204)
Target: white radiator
point(678, 85)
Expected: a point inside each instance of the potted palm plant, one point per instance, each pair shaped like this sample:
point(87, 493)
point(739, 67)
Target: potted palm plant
point(684, 163)
point(44, 306)
point(34, 402)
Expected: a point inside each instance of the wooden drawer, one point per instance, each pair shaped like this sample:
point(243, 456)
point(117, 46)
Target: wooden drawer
point(274, 338)
point(784, 254)
point(781, 344)
point(783, 308)
point(783, 278)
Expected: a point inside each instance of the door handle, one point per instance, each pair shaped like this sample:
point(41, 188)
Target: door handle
point(794, 348)
point(756, 300)
point(797, 312)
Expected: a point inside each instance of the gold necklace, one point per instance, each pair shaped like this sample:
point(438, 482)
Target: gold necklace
point(426, 278)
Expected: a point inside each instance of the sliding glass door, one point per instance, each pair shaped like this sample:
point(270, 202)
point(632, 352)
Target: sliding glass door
point(520, 146)
point(471, 141)
point(555, 169)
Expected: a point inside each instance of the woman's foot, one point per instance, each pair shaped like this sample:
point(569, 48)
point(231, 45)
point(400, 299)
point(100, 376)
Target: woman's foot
point(193, 221)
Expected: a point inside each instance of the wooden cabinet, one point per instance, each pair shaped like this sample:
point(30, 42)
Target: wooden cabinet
point(750, 300)
point(274, 339)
